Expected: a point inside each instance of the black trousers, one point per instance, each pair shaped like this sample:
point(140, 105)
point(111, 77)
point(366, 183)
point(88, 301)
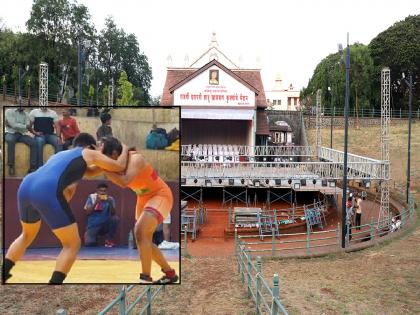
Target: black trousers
point(358, 220)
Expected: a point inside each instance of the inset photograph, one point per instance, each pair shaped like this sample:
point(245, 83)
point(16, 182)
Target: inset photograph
point(91, 195)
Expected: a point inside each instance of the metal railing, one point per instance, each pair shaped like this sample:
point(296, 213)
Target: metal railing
point(266, 298)
point(280, 215)
point(221, 151)
point(53, 97)
point(124, 308)
point(330, 238)
point(367, 113)
point(280, 170)
point(358, 163)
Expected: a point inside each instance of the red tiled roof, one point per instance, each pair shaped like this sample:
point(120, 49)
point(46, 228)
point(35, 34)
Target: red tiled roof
point(178, 77)
point(173, 77)
point(262, 123)
point(253, 77)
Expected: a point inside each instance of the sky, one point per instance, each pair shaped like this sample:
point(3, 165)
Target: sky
point(280, 37)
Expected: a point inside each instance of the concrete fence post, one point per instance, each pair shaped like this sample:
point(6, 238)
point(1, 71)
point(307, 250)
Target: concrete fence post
point(242, 256)
point(372, 229)
point(338, 234)
point(273, 243)
point(121, 303)
point(185, 241)
point(276, 294)
point(404, 217)
point(308, 241)
point(149, 300)
point(258, 286)
point(249, 261)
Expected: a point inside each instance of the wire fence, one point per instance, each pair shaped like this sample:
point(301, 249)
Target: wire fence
point(31, 99)
point(367, 113)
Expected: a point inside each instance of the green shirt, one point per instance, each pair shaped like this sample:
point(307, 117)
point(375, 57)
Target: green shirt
point(16, 121)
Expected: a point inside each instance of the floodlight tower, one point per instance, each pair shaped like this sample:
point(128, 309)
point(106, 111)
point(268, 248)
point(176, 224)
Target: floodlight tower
point(385, 120)
point(43, 84)
point(318, 120)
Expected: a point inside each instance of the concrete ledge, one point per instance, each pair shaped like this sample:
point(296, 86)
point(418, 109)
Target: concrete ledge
point(22, 158)
point(166, 163)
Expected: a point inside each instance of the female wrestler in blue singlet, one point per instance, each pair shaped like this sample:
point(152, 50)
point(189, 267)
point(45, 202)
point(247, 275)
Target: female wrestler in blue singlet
point(45, 194)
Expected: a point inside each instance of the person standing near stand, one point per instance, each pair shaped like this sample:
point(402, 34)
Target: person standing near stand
point(358, 212)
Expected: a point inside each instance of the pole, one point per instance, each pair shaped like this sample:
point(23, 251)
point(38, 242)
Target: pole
point(409, 134)
point(19, 92)
point(332, 122)
point(346, 127)
point(79, 72)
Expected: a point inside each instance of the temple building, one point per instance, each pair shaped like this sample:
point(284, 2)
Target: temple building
point(221, 103)
point(281, 97)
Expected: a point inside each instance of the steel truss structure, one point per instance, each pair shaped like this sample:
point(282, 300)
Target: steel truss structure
point(43, 84)
point(318, 119)
point(385, 121)
point(278, 167)
point(210, 152)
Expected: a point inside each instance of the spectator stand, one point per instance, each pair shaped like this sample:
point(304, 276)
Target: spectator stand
point(192, 219)
point(313, 216)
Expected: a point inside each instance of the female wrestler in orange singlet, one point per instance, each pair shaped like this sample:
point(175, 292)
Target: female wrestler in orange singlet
point(154, 203)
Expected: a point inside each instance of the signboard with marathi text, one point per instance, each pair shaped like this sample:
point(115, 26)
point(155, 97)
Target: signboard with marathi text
point(214, 87)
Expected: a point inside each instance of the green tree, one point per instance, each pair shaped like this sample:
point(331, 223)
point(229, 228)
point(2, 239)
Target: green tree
point(57, 26)
point(105, 92)
point(398, 48)
point(330, 72)
point(3, 83)
point(361, 73)
point(91, 93)
point(125, 91)
point(28, 85)
point(119, 51)
point(155, 101)
point(15, 79)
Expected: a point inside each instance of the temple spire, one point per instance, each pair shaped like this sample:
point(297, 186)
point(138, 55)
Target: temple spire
point(213, 42)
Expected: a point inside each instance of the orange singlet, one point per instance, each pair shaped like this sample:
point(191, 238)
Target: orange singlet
point(153, 194)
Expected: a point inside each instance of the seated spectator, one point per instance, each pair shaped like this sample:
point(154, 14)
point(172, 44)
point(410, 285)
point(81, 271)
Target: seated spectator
point(17, 122)
point(43, 121)
point(166, 243)
point(102, 220)
point(68, 129)
point(105, 130)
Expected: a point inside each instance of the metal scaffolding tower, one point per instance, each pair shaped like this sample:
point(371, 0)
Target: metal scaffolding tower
point(111, 93)
point(318, 120)
point(43, 84)
point(385, 120)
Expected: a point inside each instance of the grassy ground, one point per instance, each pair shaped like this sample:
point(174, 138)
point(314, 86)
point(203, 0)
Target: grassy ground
point(367, 142)
point(381, 280)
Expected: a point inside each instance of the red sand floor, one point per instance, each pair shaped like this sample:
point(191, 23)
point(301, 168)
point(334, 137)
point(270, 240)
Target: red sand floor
point(212, 241)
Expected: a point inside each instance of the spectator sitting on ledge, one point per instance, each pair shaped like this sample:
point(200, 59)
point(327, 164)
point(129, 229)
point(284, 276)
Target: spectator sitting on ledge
point(68, 128)
point(44, 125)
point(17, 121)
